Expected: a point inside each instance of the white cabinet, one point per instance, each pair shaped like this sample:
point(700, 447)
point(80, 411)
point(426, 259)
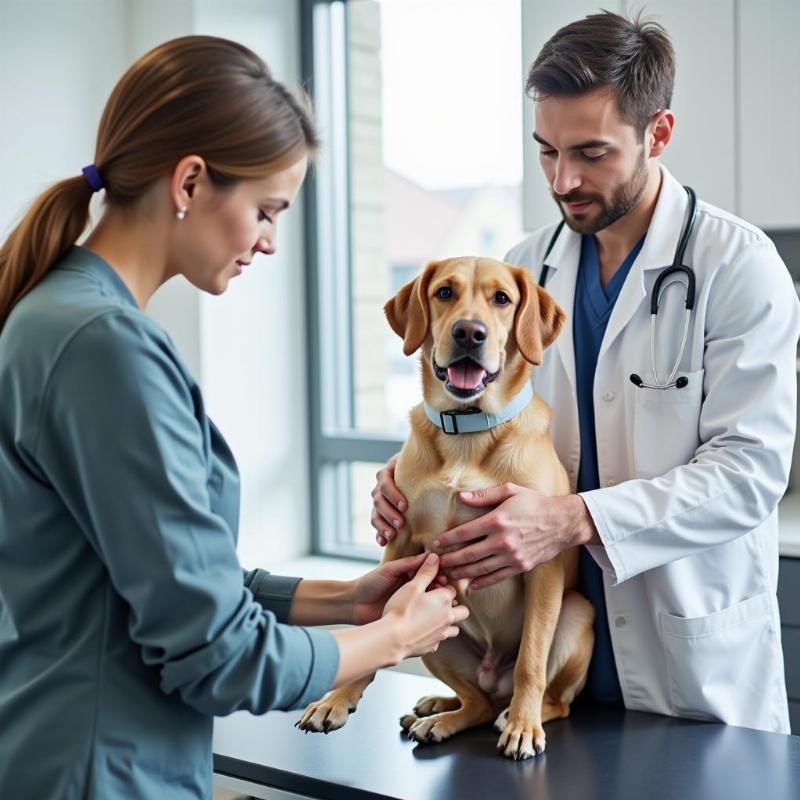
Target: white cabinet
point(540, 20)
point(702, 152)
point(736, 102)
point(769, 112)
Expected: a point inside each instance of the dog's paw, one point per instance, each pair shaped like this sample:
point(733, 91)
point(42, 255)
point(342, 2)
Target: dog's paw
point(429, 730)
point(432, 704)
point(326, 715)
point(407, 720)
point(502, 720)
point(519, 739)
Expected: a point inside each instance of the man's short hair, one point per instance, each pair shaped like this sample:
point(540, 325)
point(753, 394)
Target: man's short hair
point(632, 58)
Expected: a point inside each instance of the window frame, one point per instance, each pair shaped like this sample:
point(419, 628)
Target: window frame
point(334, 443)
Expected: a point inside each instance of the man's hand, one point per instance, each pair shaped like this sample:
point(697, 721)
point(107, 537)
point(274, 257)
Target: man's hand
point(388, 504)
point(524, 529)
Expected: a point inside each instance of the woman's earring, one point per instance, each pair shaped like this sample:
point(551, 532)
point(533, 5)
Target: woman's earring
point(181, 215)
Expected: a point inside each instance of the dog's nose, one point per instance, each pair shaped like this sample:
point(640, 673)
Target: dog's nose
point(469, 332)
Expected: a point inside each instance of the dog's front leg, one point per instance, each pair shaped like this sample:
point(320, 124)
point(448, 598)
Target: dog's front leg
point(332, 711)
point(522, 733)
point(438, 718)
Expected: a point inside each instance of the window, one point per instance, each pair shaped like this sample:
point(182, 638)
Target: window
point(421, 159)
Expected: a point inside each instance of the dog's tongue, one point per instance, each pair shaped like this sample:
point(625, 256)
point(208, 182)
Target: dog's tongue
point(465, 374)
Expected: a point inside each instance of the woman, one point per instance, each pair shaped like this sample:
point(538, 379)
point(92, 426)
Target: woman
point(125, 620)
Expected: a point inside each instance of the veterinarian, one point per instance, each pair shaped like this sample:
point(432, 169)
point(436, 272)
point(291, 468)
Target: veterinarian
point(126, 622)
point(677, 488)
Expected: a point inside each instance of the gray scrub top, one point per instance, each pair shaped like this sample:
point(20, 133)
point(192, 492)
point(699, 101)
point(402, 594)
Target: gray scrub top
point(125, 621)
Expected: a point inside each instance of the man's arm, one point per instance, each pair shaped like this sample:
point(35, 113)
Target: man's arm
point(747, 428)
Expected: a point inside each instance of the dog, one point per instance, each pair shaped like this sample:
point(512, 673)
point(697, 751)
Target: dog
point(482, 326)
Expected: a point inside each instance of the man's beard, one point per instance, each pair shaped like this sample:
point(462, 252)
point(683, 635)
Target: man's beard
point(624, 197)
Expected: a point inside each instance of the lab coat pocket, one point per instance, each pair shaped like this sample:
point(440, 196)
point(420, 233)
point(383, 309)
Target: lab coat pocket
point(665, 426)
point(720, 666)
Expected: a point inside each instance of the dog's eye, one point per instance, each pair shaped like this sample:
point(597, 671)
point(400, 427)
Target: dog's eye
point(501, 299)
point(444, 293)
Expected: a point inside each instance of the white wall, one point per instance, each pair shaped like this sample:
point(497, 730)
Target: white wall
point(55, 75)
point(58, 63)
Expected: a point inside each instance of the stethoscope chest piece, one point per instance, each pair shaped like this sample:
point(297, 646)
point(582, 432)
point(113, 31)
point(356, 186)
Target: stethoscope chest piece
point(678, 383)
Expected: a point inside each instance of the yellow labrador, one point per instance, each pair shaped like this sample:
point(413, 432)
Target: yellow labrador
point(482, 325)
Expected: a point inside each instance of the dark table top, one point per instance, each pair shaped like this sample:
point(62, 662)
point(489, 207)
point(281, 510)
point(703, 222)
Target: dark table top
point(597, 753)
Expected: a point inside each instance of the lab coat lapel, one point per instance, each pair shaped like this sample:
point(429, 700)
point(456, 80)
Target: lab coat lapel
point(657, 252)
point(630, 298)
point(563, 264)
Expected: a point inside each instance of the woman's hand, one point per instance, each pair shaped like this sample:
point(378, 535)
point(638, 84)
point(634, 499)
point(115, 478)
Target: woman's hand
point(422, 618)
point(524, 529)
point(388, 503)
point(370, 592)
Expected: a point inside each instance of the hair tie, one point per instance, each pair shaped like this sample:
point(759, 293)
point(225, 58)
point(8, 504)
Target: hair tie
point(93, 178)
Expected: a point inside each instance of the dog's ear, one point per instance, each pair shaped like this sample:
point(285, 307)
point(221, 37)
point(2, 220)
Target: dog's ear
point(538, 320)
point(408, 313)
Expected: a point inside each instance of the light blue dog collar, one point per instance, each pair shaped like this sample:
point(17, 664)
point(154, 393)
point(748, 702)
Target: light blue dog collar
point(474, 420)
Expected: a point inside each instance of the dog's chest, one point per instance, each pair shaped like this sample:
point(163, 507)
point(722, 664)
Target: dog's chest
point(437, 507)
point(496, 613)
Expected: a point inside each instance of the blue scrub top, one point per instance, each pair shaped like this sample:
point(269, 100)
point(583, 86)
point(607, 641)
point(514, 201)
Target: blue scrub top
point(592, 310)
point(126, 622)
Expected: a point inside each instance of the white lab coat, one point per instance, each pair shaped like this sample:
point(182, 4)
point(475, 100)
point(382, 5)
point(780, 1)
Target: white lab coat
point(690, 477)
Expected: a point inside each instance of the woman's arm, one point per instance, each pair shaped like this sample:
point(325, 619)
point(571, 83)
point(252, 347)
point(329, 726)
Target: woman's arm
point(322, 603)
point(415, 620)
point(120, 442)
point(394, 621)
point(357, 602)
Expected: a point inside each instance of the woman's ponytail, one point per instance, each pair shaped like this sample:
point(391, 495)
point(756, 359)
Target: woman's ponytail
point(53, 223)
point(196, 94)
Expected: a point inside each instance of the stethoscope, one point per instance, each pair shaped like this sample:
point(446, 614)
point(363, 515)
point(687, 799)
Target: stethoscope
point(677, 266)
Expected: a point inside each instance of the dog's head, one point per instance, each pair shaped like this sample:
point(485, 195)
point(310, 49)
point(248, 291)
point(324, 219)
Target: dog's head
point(480, 322)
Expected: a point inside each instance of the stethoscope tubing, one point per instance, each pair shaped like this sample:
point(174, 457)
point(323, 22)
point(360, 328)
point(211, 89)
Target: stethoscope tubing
point(677, 266)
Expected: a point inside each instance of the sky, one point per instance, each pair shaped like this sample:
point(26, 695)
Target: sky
point(453, 91)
